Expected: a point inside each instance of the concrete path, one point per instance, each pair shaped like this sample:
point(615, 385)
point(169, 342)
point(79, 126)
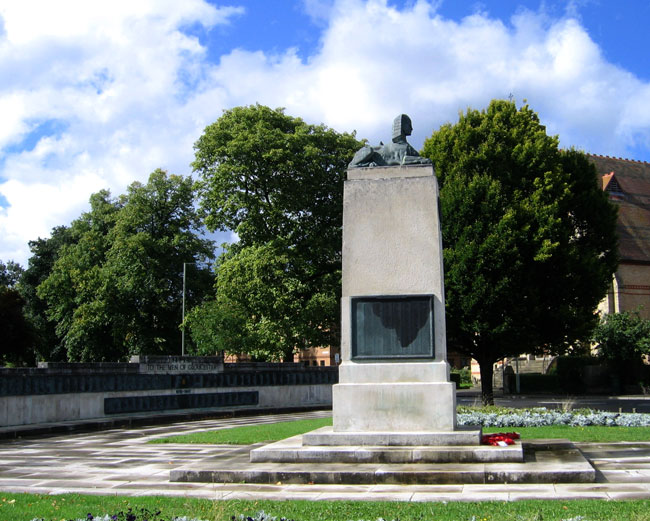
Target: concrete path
point(120, 461)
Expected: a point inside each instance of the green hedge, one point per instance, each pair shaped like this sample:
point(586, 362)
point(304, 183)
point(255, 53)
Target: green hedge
point(462, 377)
point(538, 383)
point(569, 371)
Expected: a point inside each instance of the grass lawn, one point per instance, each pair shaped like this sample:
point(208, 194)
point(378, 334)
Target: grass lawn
point(25, 507)
point(278, 431)
point(250, 433)
point(594, 433)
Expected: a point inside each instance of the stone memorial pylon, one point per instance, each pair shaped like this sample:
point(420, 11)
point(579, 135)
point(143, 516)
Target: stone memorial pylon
point(394, 375)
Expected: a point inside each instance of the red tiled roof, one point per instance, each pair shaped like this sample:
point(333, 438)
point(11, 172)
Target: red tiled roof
point(632, 196)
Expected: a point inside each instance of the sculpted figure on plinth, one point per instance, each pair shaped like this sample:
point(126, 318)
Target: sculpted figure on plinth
point(398, 152)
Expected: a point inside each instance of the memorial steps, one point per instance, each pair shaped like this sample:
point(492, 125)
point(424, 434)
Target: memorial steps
point(296, 460)
point(327, 446)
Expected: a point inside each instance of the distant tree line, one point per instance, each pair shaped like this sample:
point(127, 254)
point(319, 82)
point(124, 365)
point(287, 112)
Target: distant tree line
point(529, 247)
point(109, 285)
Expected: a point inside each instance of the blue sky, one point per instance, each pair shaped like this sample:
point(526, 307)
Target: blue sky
point(98, 94)
point(618, 27)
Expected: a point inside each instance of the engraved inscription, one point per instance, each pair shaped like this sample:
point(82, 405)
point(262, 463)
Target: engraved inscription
point(170, 402)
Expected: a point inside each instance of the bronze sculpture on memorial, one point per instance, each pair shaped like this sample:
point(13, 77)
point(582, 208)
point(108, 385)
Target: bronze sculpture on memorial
point(398, 152)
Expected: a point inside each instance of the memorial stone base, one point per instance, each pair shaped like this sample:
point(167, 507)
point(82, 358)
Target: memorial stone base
point(334, 458)
point(394, 397)
point(395, 407)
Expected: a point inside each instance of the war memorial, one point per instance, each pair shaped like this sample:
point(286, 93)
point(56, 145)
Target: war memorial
point(394, 408)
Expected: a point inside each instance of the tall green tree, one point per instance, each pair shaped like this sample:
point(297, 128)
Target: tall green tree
point(47, 344)
point(529, 238)
point(156, 232)
point(78, 296)
point(278, 183)
point(17, 333)
point(116, 289)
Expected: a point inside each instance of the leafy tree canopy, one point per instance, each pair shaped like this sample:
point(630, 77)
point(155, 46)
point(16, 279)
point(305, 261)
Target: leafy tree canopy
point(47, 344)
point(529, 237)
point(116, 288)
point(10, 273)
point(263, 308)
point(623, 338)
point(278, 183)
point(17, 333)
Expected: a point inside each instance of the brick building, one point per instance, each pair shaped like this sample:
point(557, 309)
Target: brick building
point(627, 183)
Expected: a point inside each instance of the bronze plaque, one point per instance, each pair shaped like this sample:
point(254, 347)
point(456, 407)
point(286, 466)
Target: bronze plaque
point(392, 327)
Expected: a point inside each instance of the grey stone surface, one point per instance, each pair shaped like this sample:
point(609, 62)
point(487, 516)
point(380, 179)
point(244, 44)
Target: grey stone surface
point(390, 172)
point(559, 467)
point(327, 436)
point(294, 461)
point(392, 247)
point(50, 408)
point(94, 463)
point(394, 407)
point(391, 236)
point(295, 450)
point(392, 372)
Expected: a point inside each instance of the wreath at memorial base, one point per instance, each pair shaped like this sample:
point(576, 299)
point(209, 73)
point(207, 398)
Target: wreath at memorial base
point(500, 439)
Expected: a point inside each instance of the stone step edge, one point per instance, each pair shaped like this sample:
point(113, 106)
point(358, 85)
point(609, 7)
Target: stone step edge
point(384, 476)
point(326, 436)
point(286, 452)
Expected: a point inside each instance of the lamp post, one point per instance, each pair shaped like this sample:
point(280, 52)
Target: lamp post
point(200, 265)
point(183, 327)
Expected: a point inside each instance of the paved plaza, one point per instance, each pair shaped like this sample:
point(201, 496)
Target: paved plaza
point(120, 461)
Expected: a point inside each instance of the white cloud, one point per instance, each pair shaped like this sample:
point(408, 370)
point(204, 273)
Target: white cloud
point(131, 89)
point(318, 10)
point(116, 76)
point(376, 61)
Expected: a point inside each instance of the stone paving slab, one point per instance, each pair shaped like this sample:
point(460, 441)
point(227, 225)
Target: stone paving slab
point(145, 419)
point(119, 461)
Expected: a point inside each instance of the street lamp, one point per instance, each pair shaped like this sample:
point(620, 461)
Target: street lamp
point(200, 265)
point(183, 326)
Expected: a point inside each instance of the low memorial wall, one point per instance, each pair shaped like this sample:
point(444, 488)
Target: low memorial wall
point(56, 392)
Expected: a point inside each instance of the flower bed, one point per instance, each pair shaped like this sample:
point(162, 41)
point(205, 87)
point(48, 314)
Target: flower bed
point(540, 417)
point(140, 514)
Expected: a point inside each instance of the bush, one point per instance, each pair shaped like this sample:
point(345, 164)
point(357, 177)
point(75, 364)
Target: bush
point(462, 377)
point(538, 383)
point(622, 337)
point(570, 375)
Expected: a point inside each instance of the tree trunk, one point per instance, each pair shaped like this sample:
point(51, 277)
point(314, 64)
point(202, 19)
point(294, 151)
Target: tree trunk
point(487, 391)
point(287, 356)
